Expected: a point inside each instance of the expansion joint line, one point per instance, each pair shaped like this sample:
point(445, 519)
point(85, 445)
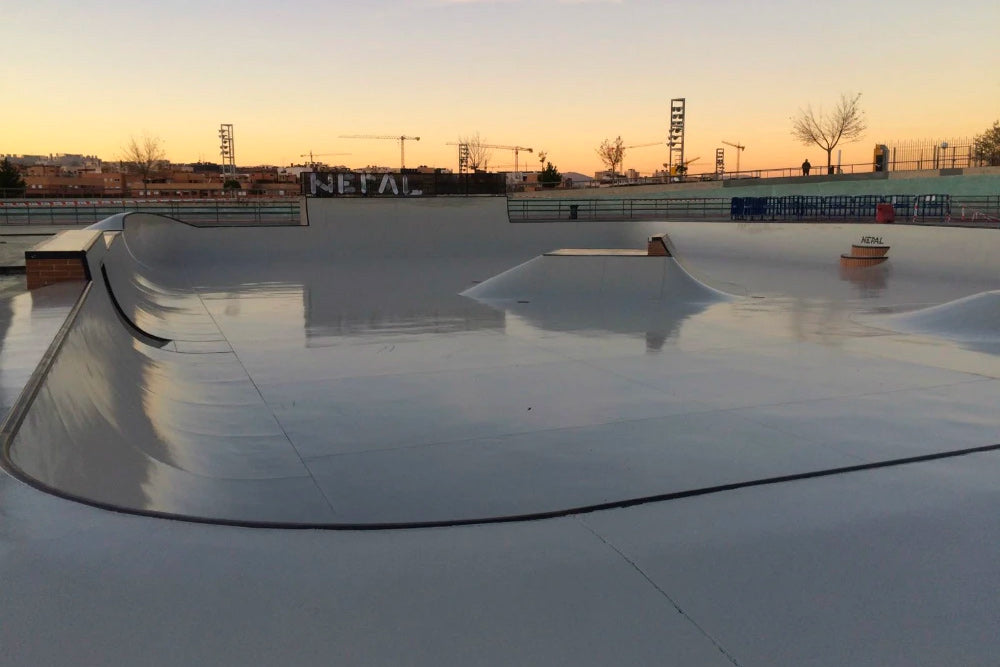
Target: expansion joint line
point(715, 642)
point(277, 422)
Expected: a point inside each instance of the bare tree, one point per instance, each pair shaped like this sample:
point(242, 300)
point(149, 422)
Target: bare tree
point(845, 123)
point(612, 153)
point(479, 154)
point(987, 146)
point(146, 154)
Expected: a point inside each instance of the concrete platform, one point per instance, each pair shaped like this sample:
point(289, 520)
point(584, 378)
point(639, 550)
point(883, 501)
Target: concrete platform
point(739, 455)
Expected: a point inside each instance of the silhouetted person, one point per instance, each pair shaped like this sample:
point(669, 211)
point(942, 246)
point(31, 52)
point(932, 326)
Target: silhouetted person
point(806, 167)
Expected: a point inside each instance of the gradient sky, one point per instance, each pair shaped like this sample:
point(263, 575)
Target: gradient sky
point(82, 77)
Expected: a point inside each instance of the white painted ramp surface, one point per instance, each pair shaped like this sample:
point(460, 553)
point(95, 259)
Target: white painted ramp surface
point(350, 382)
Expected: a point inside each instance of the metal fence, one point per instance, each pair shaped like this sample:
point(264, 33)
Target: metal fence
point(916, 155)
point(923, 208)
point(950, 159)
point(617, 209)
point(926, 209)
point(196, 212)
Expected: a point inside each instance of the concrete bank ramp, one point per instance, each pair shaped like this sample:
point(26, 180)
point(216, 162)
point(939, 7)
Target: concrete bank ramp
point(597, 274)
point(153, 300)
point(972, 319)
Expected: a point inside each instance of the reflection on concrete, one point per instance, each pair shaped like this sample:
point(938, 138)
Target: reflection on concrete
point(29, 322)
point(651, 323)
point(376, 297)
point(194, 417)
point(871, 281)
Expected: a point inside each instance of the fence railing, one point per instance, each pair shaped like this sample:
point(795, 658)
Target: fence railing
point(617, 209)
point(930, 164)
point(927, 209)
point(196, 212)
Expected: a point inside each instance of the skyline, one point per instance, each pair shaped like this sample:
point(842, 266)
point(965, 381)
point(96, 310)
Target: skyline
point(558, 76)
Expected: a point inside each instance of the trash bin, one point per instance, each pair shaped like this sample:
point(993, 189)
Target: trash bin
point(885, 213)
point(574, 211)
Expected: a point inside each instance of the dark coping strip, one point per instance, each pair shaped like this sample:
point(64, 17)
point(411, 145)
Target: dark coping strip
point(55, 254)
point(12, 468)
point(144, 336)
point(214, 225)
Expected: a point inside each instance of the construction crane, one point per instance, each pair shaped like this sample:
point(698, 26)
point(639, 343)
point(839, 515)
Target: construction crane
point(312, 162)
point(739, 149)
point(678, 170)
point(402, 139)
point(652, 143)
point(516, 149)
point(686, 162)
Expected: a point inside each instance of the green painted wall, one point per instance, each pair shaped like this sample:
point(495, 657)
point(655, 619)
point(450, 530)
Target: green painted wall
point(985, 181)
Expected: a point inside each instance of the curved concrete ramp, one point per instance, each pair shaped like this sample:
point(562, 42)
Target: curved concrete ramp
point(346, 382)
point(972, 318)
point(596, 274)
point(171, 313)
point(972, 323)
point(135, 427)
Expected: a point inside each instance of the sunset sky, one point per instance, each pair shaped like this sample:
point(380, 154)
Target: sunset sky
point(555, 75)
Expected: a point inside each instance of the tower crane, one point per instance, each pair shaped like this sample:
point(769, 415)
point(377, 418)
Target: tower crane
point(739, 149)
point(686, 162)
point(516, 149)
point(402, 139)
point(312, 162)
point(652, 143)
point(680, 169)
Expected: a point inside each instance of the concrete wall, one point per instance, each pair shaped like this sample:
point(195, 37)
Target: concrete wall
point(981, 181)
point(342, 229)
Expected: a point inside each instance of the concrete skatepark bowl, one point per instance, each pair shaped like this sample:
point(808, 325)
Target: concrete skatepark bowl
point(422, 364)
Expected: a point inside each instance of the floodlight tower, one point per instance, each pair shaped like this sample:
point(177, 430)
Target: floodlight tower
point(675, 139)
point(228, 151)
point(463, 158)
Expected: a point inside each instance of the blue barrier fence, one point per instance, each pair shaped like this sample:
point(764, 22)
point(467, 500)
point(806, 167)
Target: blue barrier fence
point(832, 207)
point(976, 210)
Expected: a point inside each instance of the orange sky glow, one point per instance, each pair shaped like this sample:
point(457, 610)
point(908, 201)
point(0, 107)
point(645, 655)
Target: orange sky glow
point(558, 76)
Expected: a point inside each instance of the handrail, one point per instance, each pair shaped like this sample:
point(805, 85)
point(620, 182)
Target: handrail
point(817, 172)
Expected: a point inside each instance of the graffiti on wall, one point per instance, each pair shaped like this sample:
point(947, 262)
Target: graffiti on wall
point(394, 184)
point(348, 183)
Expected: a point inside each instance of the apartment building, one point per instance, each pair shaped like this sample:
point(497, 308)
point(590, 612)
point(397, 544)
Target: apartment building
point(176, 181)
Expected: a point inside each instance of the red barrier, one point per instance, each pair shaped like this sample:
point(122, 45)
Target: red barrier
point(885, 213)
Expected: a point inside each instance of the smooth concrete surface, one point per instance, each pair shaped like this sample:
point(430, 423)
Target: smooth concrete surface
point(277, 386)
point(28, 321)
point(13, 246)
point(336, 374)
